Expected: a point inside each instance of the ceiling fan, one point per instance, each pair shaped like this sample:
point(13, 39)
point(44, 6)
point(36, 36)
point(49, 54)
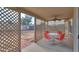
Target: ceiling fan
point(55, 18)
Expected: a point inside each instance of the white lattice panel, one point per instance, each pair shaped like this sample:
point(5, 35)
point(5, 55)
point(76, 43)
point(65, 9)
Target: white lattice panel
point(9, 30)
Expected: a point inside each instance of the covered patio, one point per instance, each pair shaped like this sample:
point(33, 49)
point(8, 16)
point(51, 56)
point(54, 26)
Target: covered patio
point(23, 29)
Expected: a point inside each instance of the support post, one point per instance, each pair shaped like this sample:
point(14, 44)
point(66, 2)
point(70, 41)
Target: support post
point(75, 29)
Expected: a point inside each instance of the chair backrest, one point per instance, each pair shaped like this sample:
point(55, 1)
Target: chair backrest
point(61, 35)
point(46, 35)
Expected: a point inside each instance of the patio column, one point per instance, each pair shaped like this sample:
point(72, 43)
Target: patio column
point(46, 26)
point(69, 24)
point(66, 29)
point(35, 31)
point(75, 29)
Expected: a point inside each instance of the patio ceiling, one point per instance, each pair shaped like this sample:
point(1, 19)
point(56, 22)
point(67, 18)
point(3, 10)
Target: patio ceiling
point(47, 13)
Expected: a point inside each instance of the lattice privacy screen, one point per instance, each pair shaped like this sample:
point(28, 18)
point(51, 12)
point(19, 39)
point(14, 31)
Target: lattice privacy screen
point(9, 30)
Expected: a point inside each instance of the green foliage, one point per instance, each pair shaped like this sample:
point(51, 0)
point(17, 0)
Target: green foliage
point(26, 20)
